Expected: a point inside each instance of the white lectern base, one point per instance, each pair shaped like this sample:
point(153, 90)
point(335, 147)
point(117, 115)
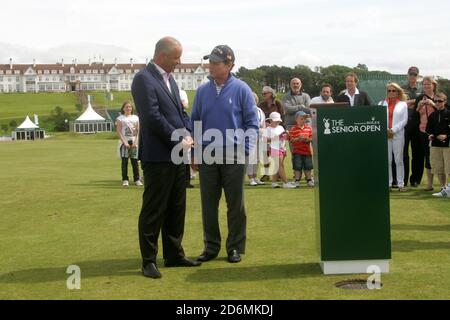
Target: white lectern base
point(355, 266)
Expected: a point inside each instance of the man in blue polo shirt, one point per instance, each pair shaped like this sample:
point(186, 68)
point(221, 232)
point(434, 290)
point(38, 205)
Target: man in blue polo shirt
point(223, 106)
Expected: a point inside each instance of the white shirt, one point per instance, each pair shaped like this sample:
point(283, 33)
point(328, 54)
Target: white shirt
point(319, 99)
point(129, 126)
point(184, 98)
point(352, 99)
point(165, 76)
point(278, 140)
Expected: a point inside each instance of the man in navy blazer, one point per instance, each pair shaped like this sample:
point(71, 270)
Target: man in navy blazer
point(352, 95)
point(160, 111)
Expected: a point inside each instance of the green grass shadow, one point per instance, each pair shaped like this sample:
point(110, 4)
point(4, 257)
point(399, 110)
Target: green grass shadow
point(256, 273)
point(411, 227)
point(89, 269)
point(414, 245)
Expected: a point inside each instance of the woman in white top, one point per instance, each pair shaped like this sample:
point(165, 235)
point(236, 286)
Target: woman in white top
point(397, 117)
point(127, 127)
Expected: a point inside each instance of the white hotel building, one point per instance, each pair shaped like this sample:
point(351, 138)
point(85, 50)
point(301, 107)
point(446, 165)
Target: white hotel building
point(62, 77)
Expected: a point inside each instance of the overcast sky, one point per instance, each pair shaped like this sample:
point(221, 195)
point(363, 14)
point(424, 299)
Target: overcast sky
point(384, 35)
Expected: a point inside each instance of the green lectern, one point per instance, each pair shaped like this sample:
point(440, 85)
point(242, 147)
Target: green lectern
point(352, 192)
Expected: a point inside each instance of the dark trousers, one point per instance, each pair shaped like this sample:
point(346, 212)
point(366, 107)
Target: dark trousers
point(163, 209)
point(134, 164)
point(417, 158)
point(425, 142)
point(230, 178)
point(188, 175)
point(412, 138)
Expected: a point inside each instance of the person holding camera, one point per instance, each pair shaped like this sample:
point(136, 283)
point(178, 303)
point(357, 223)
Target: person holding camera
point(127, 127)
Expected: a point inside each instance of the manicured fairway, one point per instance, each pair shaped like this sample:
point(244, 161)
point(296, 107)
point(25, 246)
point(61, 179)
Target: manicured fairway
point(62, 203)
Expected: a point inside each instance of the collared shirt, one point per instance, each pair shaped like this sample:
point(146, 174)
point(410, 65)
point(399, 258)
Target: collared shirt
point(412, 92)
point(219, 87)
point(352, 98)
point(319, 99)
point(165, 75)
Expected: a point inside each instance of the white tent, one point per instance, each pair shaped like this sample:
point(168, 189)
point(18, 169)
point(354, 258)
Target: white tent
point(27, 124)
point(89, 114)
point(28, 131)
point(91, 122)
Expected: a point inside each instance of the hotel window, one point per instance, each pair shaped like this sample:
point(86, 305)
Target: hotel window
point(17, 79)
point(1, 78)
point(95, 71)
point(102, 71)
point(88, 71)
point(16, 71)
point(61, 72)
point(46, 72)
point(54, 72)
point(39, 72)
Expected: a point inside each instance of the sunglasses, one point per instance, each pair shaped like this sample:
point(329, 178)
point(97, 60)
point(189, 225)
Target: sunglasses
point(438, 101)
point(392, 91)
point(265, 93)
point(413, 74)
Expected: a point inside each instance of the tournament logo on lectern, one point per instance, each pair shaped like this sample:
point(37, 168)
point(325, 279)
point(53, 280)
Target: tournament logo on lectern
point(327, 126)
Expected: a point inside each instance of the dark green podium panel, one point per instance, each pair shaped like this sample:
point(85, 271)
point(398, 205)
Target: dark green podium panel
point(352, 192)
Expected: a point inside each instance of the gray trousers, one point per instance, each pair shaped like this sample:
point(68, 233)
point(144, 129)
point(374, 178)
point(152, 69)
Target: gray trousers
point(213, 178)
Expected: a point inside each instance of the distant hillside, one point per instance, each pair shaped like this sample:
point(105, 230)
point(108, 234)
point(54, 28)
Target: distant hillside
point(15, 106)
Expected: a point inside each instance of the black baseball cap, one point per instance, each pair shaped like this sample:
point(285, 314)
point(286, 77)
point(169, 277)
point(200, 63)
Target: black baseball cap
point(221, 53)
point(413, 70)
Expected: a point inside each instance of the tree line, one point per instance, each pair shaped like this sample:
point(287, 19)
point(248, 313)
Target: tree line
point(279, 77)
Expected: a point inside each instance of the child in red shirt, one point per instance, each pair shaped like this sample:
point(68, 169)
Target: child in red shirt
point(301, 136)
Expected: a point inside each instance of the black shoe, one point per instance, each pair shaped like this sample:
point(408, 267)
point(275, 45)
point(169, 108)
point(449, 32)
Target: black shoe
point(182, 262)
point(151, 271)
point(205, 256)
point(189, 186)
point(414, 184)
point(234, 256)
point(264, 178)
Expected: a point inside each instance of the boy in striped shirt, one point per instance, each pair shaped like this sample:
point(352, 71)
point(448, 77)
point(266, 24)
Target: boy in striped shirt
point(300, 137)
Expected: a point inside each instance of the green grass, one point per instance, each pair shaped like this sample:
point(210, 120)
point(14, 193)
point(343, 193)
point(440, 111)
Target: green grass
point(18, 105)
point(62, 204)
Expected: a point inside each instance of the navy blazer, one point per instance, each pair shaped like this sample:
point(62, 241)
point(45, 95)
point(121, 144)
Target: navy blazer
point(160, 113)
point(361, 99)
